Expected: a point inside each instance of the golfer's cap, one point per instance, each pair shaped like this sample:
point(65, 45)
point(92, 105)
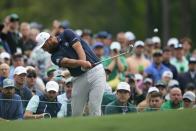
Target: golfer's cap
point(129, 36)
point(139, 43)
point(189, 95)
point(41, 38)
point(156, 39)
point(123, 86)
point(20, 70)
point(5, 55)
point(167, 74)
point(158, 53)
point(148, 80)
point(8, 83)
point(192, 60)
point(115, 45)
point(178, 46)
point(153, 89)
point(172, 42)
point(52, 86)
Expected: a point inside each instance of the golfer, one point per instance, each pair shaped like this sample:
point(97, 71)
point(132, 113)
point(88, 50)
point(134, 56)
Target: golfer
point(68, 50)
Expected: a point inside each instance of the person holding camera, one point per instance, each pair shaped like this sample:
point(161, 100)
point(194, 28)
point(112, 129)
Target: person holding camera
point(117, 66)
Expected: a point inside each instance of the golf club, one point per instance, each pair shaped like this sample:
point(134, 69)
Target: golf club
point(130, 50)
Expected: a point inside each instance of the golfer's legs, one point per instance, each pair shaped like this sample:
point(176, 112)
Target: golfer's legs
point(79, 95)
point(97, 84)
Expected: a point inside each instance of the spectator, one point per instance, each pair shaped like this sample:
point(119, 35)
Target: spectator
point(149, 48)
point(87, 36)
point(137, 62)
point(17, 60)
point(175, 101)
point(189, 76)
point(4, 73)
point(26, 42)
point(179, 61)
point(167, 77)
point(162, 88)
point(65, 98)
point(31, 82)
point(156, 69)
point(20, 89)
point(38, 106)
point(117, 66)
point(145, 103)
point(188, 99)
point(157, 42)
point(121, 104)
point(187, 45)
point(11, 107)
point(121, 38)
point(171, 44)
point(98, 49)
point(167, 55)
point(5, 57)
point(146, 85)
point(155, 102)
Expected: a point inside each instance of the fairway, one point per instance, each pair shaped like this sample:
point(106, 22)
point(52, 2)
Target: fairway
point(180, 120)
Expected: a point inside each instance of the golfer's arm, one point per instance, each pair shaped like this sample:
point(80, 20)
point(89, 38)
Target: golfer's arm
point(72, 63)
point(79, 50)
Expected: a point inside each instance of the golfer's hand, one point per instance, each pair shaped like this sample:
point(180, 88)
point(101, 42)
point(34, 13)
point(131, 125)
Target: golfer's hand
point(86, 64)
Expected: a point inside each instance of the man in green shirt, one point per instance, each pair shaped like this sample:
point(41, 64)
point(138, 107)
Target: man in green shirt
point(121, 104)
point(175, 101)
point(117, 66)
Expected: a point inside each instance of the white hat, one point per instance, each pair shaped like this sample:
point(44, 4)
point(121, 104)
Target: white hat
point(20, 70)
point(178, 46)
point(115, 45)
point(153, 89)
point(68, 80)
point(148, 80)
point(130, 36)
point(189, 95)
point(139, 43)
point(156, 39)
point(172, 41)
point(138, 77)
point(173, 83)
point(52, 86)
point(123, 86)
point(4, 55)
point(167, 74)
point(41, 38)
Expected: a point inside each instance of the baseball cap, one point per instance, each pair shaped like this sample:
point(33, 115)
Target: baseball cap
point(160, 84)
point(97, 45)
point(103, 35)
point(147, 80)
point(167, 74)
point(41, 38)
point(178, 46)
point(173, 83)
point(52, 86)
point(20, 70)
point(14, 17)
point(158, 53)
point(8, 83)
point(68, 80)
point(139, 43)
point(153, 89)
point(138, 77)
point(189, 95)
point(172, 42)
point(115, 45)
point(129, 35)
point(123, 86)
point(192, 60)
point(5, 55)
point(156, 39)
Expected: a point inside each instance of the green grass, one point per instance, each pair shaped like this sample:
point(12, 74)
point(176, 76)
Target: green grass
point(179, 120)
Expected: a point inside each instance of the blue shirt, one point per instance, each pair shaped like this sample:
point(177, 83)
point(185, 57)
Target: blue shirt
point(10, 109)
point(156, 73)
point(64, 49)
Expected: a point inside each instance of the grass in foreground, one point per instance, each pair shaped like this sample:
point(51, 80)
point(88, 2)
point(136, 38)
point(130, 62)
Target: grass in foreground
point(178, 120)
